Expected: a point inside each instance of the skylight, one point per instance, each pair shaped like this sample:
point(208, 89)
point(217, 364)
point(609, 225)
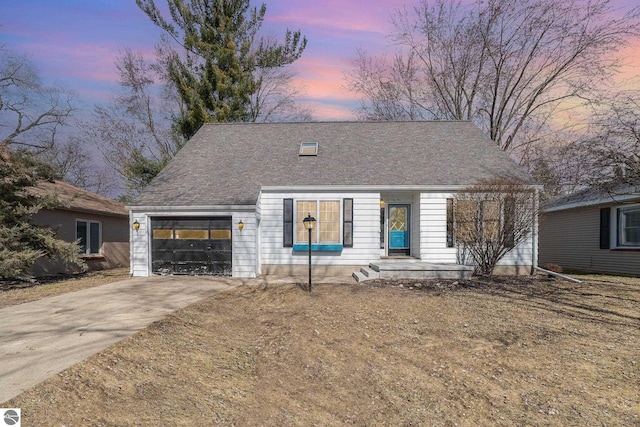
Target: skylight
point(308, 149)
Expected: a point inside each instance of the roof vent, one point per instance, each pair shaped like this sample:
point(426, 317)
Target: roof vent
point(308, 149)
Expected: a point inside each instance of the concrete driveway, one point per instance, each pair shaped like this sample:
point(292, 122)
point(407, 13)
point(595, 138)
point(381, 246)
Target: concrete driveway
point(41, 338)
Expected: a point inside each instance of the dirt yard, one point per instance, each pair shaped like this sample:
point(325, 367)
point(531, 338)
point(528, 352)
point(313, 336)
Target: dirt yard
point(506, 352)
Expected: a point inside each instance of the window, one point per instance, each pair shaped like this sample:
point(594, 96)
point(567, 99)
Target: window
point(327, 215)
point(333, 230)
point(629, 226)
point(466, 217)
point(490, 220)
point(89, 235)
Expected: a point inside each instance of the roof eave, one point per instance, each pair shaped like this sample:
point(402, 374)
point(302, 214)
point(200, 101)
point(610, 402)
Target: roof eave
point(608, 200)
point(192, 208)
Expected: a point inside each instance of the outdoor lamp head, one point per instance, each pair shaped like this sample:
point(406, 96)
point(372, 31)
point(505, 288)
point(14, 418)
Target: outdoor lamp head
point(136, 225)
point(309, 222)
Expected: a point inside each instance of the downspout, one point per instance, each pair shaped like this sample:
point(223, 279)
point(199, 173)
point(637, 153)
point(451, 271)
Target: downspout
point(562, 276)
point(534, 232)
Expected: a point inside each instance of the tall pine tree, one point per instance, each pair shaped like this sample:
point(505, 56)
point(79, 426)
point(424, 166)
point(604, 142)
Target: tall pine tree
point(215, 71)
point(22, 243)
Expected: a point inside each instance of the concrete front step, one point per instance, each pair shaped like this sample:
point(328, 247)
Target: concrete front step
point(365, 273)
point(421, 270)
point(412, 269)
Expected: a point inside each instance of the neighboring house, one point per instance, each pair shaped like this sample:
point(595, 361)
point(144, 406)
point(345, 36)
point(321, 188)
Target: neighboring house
point(101, 226)
point(233, 200)
point(593, 231)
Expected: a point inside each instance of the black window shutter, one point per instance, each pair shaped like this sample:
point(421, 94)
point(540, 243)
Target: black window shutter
point(605, 228)
point(347, 223)
point(450, 233)
point(509, 221)
point(287, 223)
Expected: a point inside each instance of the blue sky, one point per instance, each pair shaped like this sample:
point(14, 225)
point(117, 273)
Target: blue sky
point(75, 42)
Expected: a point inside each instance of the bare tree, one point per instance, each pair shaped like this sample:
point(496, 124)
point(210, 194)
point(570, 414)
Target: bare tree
point(31, 113)
point(391, 88)
point(605, 155)
point(134, 131)
point(491, 218)
point(507, 65)
point(73, 162)
point(276, 98)
point(615, 148)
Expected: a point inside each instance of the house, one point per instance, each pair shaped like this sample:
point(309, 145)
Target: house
point(233, 200)
point(593, 231)
point(100, 224)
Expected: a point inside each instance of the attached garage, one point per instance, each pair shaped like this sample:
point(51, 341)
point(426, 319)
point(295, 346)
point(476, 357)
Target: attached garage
point(191, 245)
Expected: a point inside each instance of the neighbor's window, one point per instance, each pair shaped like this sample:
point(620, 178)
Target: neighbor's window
point(327, 215)
point(89, 235)
point(629, 226)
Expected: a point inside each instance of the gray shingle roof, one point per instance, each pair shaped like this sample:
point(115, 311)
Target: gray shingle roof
point(227, 164)
point(593, 196)
point(78, 200)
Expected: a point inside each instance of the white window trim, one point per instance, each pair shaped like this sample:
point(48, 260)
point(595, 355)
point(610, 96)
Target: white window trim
point(316, 215)
point(617, 229)
point(87, 252)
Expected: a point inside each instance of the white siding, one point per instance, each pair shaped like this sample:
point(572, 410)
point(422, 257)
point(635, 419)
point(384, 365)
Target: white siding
point(366, 230)
point(433, 234)
point(433, 229)
point(243, 242)
point(140, 246)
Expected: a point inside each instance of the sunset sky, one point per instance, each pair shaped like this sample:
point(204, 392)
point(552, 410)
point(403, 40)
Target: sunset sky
point(75, 42)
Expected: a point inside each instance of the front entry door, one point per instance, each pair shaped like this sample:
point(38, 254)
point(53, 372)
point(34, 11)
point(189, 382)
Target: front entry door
point(399, 216)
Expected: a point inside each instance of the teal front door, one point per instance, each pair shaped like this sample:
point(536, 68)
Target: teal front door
point(399, 229)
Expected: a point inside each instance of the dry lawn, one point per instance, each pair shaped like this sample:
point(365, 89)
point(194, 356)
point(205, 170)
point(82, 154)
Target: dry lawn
point(509, 352)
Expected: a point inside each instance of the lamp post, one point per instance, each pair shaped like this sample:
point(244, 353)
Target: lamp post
point(309, 222)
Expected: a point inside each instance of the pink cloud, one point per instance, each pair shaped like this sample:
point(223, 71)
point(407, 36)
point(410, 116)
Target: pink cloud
point(330, 111)
point(322, 77)
point(329, 15)
point(630, 65)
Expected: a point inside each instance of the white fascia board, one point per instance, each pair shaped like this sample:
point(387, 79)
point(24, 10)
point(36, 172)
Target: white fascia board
point(608, 200)
point(169, 209)
point(372, 188)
